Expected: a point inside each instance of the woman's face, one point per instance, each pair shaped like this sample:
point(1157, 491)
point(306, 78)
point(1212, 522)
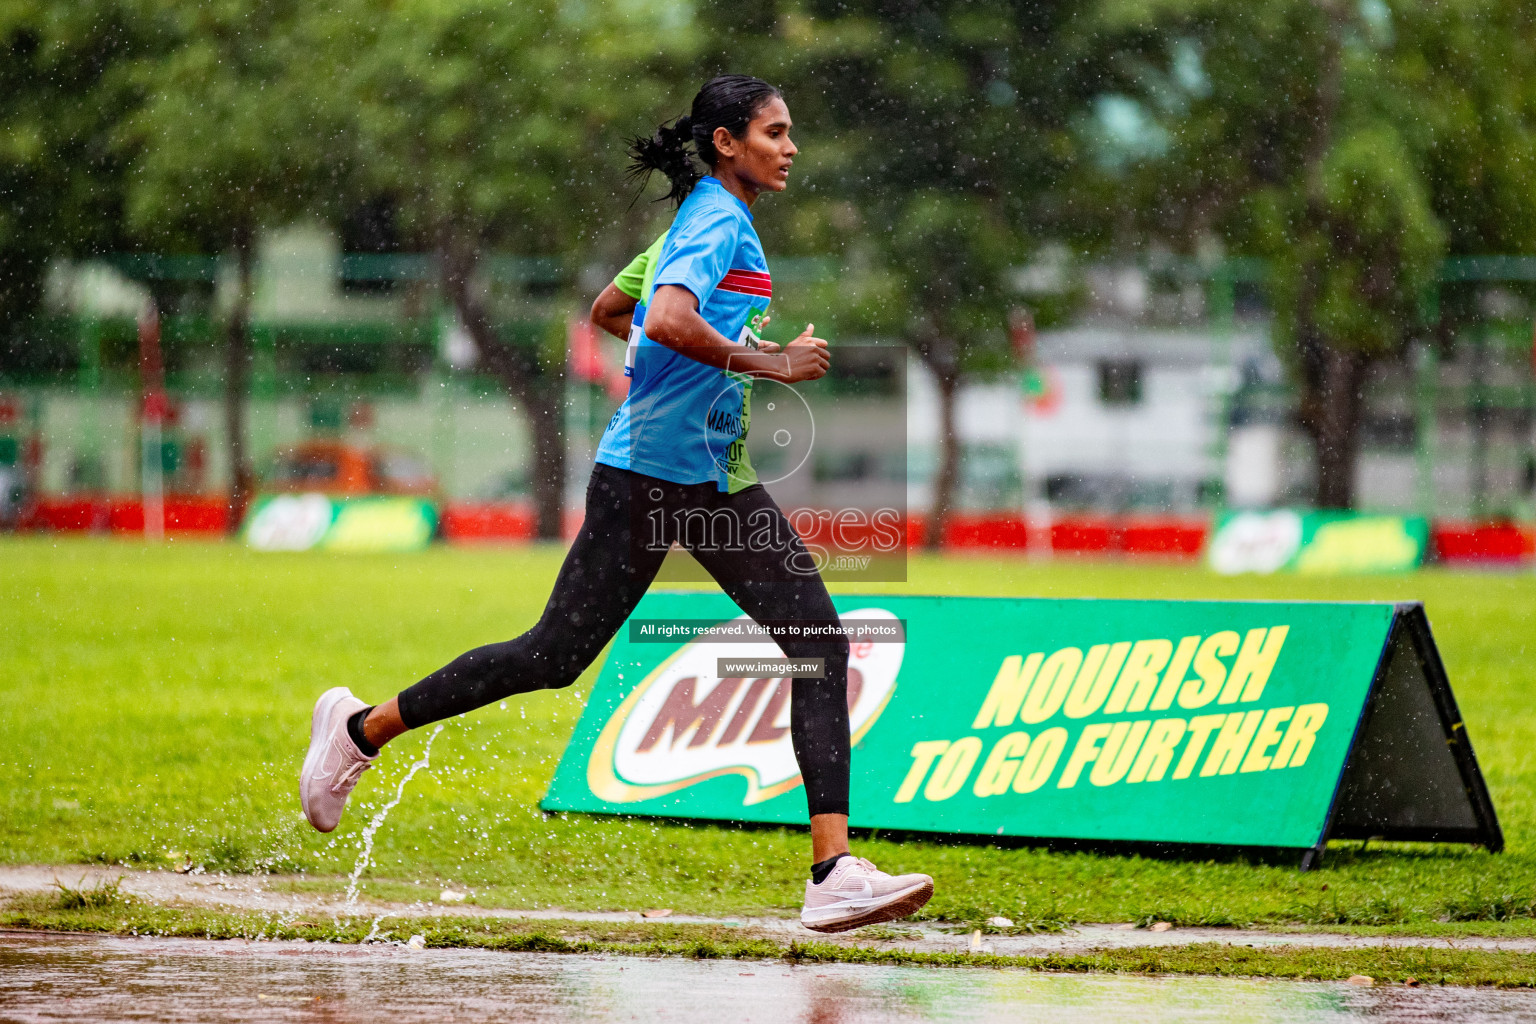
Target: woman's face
point(762, 158)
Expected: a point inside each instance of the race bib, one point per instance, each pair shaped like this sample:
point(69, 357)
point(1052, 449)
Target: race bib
point(636, 332)
point(749, 336)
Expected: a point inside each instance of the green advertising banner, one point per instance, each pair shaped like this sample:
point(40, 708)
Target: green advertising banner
point(1317, 542)
point(1173, 722)
point(302, 522)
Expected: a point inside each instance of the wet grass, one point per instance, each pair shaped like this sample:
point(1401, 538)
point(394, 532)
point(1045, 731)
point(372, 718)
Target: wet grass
point(156, 700)
point(1383, 965)
point(104, 895)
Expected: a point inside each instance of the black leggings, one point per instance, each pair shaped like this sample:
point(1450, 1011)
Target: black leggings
point(744, 542)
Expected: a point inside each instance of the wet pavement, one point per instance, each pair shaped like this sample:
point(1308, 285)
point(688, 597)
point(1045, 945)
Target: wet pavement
point(85, 978)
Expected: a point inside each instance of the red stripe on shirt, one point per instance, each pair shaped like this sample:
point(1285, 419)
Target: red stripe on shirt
point(748, 282)
point(727, 287)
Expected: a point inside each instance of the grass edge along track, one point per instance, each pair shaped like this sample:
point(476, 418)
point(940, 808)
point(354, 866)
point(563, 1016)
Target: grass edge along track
point(107, 911)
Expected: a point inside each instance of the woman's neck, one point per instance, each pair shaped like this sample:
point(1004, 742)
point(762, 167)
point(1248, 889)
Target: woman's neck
point(735, 185)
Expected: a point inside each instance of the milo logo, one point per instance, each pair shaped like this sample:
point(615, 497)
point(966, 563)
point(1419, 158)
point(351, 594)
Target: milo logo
point(684, 723)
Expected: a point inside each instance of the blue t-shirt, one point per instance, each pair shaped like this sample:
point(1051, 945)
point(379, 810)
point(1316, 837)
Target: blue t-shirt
point(684, 421)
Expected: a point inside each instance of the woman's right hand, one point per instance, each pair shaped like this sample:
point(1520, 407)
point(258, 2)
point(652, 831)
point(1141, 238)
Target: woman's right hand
point(807, 355)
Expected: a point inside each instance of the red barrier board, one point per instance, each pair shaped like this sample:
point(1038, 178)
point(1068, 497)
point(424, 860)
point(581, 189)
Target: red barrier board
point(1481, 542)
point(182, 515)
point(486, 522)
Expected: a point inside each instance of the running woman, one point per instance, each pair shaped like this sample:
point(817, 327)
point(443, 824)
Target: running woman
point(673, 450)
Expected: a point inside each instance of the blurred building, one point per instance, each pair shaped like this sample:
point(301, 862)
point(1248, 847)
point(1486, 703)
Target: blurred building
point(1156, 397)
point(1158, 391)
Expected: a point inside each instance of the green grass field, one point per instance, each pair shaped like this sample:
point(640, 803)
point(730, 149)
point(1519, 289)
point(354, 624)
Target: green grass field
point(154, 709)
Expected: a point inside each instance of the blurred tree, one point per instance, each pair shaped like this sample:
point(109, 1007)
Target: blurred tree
point(499, 127)
point(938, 144)
point(231, 134)
point(1465, 71)
point(1352, 144)
point(62, 93)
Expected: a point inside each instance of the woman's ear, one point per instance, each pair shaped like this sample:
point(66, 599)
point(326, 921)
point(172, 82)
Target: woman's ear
point(725, 143)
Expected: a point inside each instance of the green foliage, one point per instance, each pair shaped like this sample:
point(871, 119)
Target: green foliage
point(507, 119)
point(936, 142)
point(175, 125)
point(1413, 149)
point(1466, 74)
point(230, 132)
point(943, 142)
point(1354, 146)
point(963, 247)
point(1357, 258)
point(62, 95)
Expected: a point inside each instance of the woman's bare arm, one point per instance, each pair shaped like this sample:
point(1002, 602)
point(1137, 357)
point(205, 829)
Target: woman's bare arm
point(673, 320)
point(613, 311)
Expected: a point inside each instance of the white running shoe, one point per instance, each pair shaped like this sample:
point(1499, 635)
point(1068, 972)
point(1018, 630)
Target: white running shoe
point(857, 893)
point(333, 764)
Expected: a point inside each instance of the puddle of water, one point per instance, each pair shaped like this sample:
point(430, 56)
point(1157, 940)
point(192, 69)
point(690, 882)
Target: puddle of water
point(366, 855)
point(81, 978)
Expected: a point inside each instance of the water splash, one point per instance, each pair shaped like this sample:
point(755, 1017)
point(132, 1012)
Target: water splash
point(373, 933)
point(378, 819)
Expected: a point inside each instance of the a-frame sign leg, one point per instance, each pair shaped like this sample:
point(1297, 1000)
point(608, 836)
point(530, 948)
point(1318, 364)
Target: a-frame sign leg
point(1411, 773)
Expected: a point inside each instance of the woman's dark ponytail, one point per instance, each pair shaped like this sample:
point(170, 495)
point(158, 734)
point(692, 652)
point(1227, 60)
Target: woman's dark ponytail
point(667, 151)
point(726, 101)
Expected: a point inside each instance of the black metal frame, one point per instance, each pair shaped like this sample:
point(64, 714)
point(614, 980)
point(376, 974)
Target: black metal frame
point(1410, 624)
